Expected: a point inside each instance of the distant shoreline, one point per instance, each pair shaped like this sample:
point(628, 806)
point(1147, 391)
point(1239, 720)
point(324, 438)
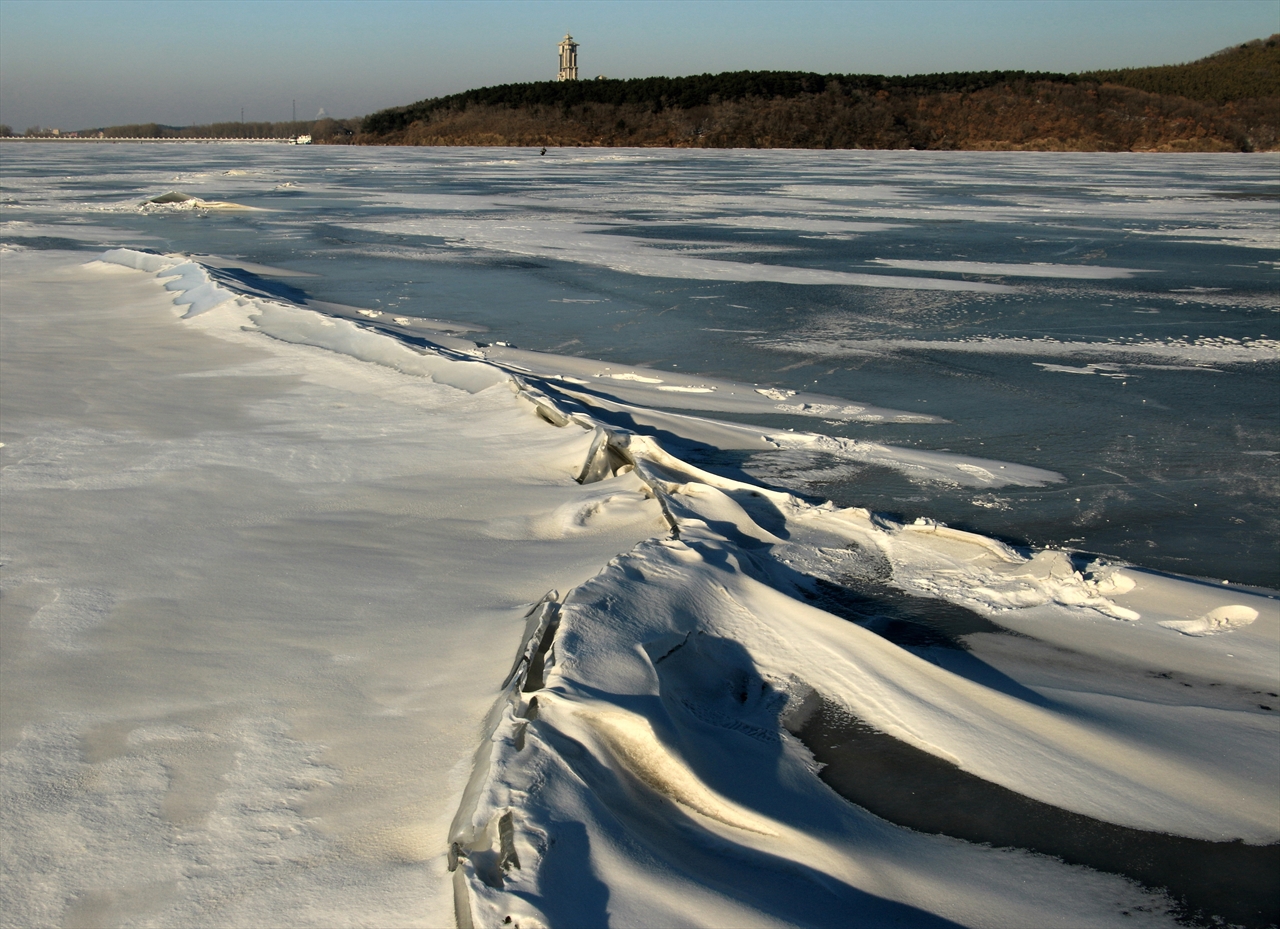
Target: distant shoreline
point(19, 138)
point(991, 149)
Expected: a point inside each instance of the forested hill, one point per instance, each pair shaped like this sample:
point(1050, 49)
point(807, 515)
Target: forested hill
point(686, 93)
point(1242, 72)
point(1226, 102)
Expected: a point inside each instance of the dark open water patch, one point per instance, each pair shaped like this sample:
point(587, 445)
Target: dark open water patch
point(48, 243)
point(1213, 883)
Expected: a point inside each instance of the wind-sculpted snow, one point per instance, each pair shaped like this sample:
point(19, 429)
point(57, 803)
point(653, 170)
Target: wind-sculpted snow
point(701, 647)
point(645, 762)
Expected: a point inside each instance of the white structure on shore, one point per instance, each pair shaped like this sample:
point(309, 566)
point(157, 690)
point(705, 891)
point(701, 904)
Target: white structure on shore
point(568, 59)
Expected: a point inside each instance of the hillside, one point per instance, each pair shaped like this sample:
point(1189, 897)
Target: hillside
point(687, 93)
point(1226, 102)
point(1243, 72)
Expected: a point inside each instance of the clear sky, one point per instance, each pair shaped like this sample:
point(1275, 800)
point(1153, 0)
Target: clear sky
point(72, 64)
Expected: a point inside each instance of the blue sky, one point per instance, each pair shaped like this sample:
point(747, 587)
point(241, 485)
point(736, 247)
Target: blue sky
point(72, 64)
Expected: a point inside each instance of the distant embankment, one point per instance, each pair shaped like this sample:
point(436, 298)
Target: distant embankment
point(116, 139)
point(1227, 102)
point(320, 130)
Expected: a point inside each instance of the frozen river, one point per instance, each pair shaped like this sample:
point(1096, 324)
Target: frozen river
point(1109, 317)
point(788, 473)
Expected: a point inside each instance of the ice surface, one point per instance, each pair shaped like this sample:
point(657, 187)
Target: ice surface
point(600, 245)
point(1200, 351)
point(307, 603)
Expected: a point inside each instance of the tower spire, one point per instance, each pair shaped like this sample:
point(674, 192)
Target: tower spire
point(568, 59)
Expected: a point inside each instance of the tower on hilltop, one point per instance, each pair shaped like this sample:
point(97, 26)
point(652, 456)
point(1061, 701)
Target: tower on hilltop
point(568, 59)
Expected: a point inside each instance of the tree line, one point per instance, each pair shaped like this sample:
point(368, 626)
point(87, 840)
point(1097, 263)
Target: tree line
point(321, 130)
point(685, 93)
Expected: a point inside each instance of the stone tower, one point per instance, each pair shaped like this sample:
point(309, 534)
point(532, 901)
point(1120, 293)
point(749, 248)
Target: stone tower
point(568, 59)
